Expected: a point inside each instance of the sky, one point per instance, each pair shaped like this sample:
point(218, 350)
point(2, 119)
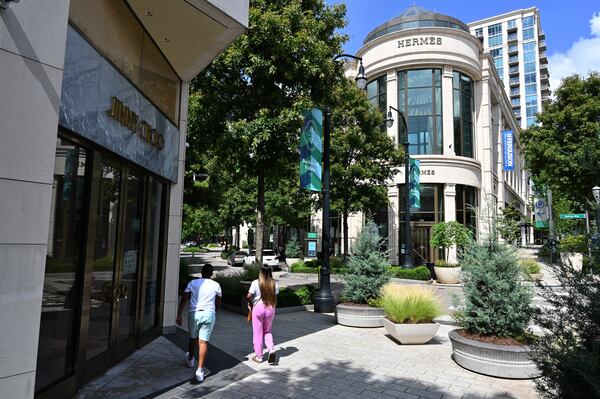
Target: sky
point(572, 27)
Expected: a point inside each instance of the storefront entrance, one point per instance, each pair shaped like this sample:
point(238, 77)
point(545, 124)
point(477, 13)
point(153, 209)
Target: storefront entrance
point(104, 267)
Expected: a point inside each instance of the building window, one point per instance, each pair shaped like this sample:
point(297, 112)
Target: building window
point(466, 203)
point(377, 93)
point(517, 112)
point(512, 23)
point(479, 32)
point(528, 21)
point(463, 114)
point(420, 98)
point(514, 91)
point(530, 69)
point(513, 48)
point(498, 60)
point(512, 36)
point(527, 33)
point(515, 101)
point(495, 35)
point(513, 69)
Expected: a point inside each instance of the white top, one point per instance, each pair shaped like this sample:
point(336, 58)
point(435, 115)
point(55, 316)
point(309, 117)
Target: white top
point(204, 292)
point(255, 291)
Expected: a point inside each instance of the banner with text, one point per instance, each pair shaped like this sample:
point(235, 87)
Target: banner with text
point(415, 184)
point(509, 149)
point(540, 211)
point(311, 150)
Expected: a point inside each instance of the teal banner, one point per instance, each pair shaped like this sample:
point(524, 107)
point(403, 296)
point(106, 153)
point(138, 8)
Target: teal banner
point(311, 150)
point(415, 184)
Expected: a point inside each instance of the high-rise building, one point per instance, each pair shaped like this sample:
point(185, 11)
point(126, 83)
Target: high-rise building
point(517, 44)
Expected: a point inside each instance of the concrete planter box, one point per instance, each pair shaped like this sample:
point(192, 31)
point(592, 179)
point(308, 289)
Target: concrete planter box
point(414, 334)
point(291, 261)
point(448, 275)
point(573, 258)
point(505, 361)
point(358, 316)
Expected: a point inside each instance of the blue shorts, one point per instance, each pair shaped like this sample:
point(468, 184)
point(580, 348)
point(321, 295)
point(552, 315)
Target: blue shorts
point(201, 323)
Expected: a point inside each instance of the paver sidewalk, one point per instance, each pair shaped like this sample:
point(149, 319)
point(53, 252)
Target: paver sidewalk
point(320, 359)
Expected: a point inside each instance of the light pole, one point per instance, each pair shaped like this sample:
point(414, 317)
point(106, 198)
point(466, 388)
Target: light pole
point(596, 238)
point(407, 263)
point(324, 300)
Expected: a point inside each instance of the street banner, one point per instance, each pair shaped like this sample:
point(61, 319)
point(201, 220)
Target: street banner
point(415, 184)
point(311, 150)
point(540, 211)
point(508, 147)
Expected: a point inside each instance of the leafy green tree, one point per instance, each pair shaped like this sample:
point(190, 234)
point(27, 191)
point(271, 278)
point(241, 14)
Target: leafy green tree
point(248, 103)
point(200, 222)
point(292, 249)
point(563, 152)
point(363, 156)
point(447, 234)
point(367, 267)
point(508, 223)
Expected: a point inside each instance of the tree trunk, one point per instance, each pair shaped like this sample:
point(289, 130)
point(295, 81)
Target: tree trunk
point(227, 231)
point(345, 234)
point(237, 238)
point(260, 214)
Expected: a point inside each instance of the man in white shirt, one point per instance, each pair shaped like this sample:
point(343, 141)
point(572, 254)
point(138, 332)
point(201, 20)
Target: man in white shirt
point(204, 295)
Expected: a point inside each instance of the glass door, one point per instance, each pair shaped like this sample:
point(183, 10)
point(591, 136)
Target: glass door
point(422, 251)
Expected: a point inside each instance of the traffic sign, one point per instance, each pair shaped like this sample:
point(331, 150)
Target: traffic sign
point(572, 215)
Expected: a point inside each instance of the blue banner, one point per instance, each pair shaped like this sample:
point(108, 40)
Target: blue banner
point(508, 147)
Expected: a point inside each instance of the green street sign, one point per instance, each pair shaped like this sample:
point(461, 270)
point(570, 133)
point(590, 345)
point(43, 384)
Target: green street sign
point(572, 215)
point(311, 235)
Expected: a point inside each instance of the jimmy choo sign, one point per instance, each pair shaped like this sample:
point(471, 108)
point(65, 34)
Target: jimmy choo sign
point(420, 41)
point(126, 117)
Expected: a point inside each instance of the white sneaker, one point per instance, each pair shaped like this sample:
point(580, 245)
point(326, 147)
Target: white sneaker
point(199, 375)
point(190, 362)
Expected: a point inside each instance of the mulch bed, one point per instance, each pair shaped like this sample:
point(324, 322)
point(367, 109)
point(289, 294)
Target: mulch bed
point(489, 339)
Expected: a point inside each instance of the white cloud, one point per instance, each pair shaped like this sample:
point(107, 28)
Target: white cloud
point(582, 58)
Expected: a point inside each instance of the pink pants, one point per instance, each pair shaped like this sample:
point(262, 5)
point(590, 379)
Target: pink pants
point(262, 323)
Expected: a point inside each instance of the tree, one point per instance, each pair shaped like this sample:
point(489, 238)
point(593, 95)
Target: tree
point(563, 152)
point(363, 157)
point(509, 222)
point(447, 234)
point(254, 92)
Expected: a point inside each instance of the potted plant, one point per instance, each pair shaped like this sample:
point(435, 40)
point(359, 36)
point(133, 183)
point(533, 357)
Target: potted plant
point(572, 249)
point(531, 269)
point(445, 235)
point(409, 313)
point(366, 274)
point(495, 314)
point(292, 251)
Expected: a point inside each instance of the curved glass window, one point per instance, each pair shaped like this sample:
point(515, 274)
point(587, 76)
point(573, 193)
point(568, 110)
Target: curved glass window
point(463, 114)
point(376, 92)
point(420, 98)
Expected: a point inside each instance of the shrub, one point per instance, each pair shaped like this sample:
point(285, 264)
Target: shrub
point(418, 273)
point(212, 245)
point(302, 296)
point(292, 249)
point(405, 304)
point(447, 234)
point(194, 249)
point(577, 243)
point(367, 268)
point(568, 354)
point(443, 263)
point(300, 267)
point(530, 266)
point(497, 302)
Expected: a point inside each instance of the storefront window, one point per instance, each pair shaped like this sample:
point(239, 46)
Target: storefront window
point(377, 93)
point(62, 280)
point(153, 255)
point(466, 204)
point(420, 98)
point(463, 114)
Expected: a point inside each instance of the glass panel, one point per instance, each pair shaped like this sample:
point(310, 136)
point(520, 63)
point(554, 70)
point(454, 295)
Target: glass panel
point(512, 23)
point(438, 101)
point(372, 89)
point(528, 33)
point(531, 89)
point(131, 256)
point(440, 141)
point(457, 137)
point(153, 260)
point(420, 134)
point(468, 139)
point(419, 78)
point(62, 279)
point(527, 22)
point(107, 213)
point(437, 77)
point(495, 40)
point(420, 102)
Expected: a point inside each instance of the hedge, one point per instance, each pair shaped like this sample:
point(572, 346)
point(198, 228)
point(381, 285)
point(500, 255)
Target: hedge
point(418, 273)
point(300, 268)
point(193, 249)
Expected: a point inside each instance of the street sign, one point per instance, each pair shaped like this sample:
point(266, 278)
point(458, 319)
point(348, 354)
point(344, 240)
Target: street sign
point(415, 184)
point(311, 150)
point(311, 234)
point(572, 215)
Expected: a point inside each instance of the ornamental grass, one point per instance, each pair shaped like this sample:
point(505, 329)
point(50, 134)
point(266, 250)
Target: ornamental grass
point(409, 304)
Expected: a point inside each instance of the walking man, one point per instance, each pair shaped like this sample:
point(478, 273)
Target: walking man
point(204, 295)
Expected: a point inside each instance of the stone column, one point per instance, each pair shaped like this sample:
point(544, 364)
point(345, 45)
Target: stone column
point(392, 99)
point(447, 112)
point(450, 213)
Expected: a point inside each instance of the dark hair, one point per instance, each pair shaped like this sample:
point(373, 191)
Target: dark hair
point(266, 284)
point(207, 270)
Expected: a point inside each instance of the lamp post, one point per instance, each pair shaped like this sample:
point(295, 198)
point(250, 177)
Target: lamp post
point(324, 300)
point(596, 237)
point(407, 262)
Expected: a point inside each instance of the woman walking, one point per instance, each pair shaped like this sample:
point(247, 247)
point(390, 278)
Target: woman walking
point(262, 299)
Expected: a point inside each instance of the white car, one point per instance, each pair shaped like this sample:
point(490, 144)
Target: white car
point(269, 258)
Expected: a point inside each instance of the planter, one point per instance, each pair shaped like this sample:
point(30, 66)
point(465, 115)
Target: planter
point(291, 261)
point(447, 275)
point(505, 361)
point(573, 258)
point(411, 333)
point(358, 316)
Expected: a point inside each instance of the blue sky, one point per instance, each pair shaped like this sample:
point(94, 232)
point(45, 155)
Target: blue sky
point(573, 40)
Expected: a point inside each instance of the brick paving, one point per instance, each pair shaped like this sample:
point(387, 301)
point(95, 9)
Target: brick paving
point(319, 359)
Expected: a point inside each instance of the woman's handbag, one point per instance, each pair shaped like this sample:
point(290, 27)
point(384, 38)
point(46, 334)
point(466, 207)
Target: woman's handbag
point(249, 318)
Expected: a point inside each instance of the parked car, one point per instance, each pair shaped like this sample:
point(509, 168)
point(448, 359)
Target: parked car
point(269, 258)
point(237, 258)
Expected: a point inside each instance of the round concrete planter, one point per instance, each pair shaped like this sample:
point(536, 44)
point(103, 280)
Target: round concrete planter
point(291, 261)
point(414, 334)
point(505, 361)
point(448, 275)
point(358, 316)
